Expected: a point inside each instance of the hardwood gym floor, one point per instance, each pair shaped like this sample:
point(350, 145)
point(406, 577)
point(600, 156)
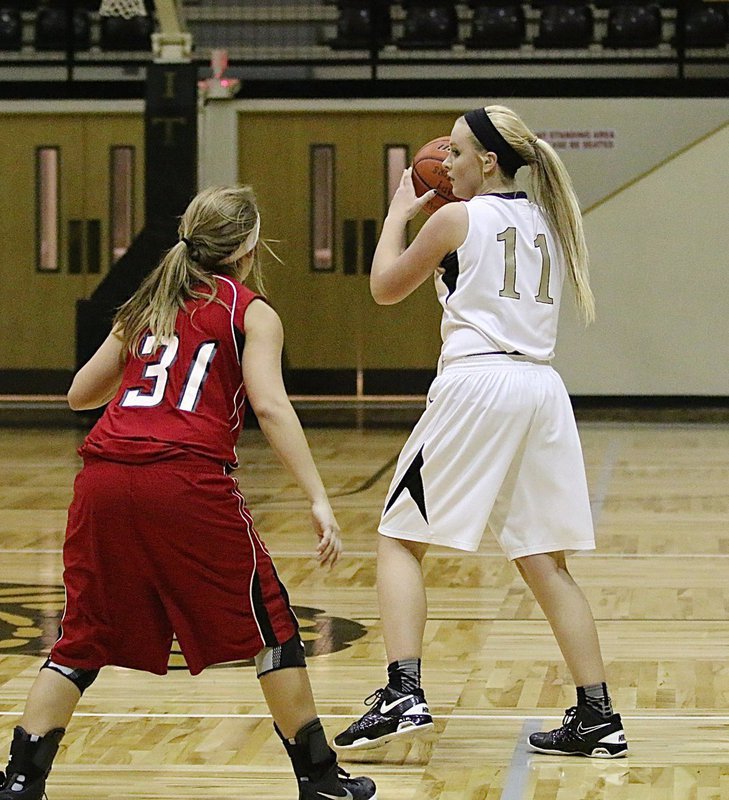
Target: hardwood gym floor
point(657, 584)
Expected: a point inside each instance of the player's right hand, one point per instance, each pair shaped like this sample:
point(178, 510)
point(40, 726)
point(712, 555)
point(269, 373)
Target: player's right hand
point(405, 202)
point(326, 528)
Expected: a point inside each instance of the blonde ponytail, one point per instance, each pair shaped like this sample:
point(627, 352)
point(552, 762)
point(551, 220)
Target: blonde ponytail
point(214, 226)
point(554, 193)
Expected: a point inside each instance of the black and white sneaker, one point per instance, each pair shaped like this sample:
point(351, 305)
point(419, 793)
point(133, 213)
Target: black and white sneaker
point(335, 784)
point(583, 733)
point(394, 715)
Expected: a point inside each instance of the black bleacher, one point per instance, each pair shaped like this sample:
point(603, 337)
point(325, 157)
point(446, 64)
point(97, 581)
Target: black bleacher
point(304, 38)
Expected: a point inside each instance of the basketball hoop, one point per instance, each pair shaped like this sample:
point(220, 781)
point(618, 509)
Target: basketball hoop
point(122, 8)
point(172, 43)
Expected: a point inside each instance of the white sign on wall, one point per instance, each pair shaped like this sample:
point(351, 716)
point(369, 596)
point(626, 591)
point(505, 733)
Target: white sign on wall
point(602, 139)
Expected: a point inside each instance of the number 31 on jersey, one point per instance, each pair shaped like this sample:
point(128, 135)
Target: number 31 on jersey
point(158, 372)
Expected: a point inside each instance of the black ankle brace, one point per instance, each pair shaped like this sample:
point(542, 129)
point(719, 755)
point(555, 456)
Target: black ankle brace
point(32, 755)
point(309, 752)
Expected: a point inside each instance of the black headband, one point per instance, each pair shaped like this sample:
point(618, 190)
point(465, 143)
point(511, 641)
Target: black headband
point(487, 133)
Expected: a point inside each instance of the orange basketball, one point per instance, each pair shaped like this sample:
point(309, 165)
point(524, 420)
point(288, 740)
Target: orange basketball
point(429, 173)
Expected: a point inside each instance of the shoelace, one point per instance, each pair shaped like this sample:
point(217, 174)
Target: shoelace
point(374, 698)
point(566, 732)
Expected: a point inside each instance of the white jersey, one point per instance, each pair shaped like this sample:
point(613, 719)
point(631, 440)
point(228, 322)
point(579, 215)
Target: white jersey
point(500, 291)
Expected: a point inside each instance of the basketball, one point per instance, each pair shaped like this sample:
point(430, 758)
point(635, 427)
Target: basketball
point(429, 173)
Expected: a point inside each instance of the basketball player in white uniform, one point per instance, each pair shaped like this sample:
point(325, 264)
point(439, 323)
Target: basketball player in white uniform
point(497, 445)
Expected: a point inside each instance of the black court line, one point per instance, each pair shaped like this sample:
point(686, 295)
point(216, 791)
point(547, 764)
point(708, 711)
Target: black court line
point(371, 481)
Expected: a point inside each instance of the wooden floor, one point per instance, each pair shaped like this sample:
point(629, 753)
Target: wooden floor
point(658, 585)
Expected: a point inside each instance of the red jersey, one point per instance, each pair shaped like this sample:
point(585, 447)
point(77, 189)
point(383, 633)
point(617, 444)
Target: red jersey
point(185, 396)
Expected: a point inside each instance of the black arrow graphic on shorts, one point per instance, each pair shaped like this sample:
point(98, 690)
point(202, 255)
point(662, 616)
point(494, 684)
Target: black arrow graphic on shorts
point(412, 480)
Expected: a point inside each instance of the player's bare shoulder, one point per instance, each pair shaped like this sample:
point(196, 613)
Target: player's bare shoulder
point(448, 225)
point(261, 319)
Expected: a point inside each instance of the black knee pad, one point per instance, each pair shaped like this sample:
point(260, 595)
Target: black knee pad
point(283, 656)
point(80, 678)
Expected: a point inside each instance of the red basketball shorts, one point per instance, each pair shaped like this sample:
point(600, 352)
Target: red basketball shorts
point(165, 549)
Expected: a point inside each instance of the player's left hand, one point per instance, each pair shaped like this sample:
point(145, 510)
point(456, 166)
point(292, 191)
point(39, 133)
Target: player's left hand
point(327, 529)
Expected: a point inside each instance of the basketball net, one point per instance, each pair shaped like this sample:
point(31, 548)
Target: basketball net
point(122, 8)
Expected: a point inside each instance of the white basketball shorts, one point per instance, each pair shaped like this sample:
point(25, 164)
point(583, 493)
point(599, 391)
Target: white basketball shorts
point(497, 446)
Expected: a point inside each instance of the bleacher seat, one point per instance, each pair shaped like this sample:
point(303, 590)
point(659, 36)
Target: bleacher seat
point(496, 26)
point(23, 5)
point(117, 33)
point(52, 33)
point(565, 25)
point(86, 5)
point(429, 24)
point(11, 29)
point(634, 25)
point(362, 24)
point(705, 25)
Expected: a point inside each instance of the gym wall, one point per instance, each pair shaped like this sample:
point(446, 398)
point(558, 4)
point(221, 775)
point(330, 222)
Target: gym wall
point(653, 185)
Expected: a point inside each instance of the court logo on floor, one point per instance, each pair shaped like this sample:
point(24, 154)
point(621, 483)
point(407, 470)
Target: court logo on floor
point(30, 617)
point(320, 633)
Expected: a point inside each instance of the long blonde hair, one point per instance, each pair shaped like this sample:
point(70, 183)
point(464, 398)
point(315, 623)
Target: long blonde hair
point(214, 225)
point(553, 191)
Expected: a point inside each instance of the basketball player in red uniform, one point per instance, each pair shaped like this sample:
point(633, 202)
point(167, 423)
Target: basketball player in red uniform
point(160, 541)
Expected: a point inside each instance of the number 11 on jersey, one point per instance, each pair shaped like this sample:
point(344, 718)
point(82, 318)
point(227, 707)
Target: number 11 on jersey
point(508, 237)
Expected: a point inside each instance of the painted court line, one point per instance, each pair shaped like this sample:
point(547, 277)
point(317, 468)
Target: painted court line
point(434, 554)
point(603, 481)
point(452, 717)
point(518, 772)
